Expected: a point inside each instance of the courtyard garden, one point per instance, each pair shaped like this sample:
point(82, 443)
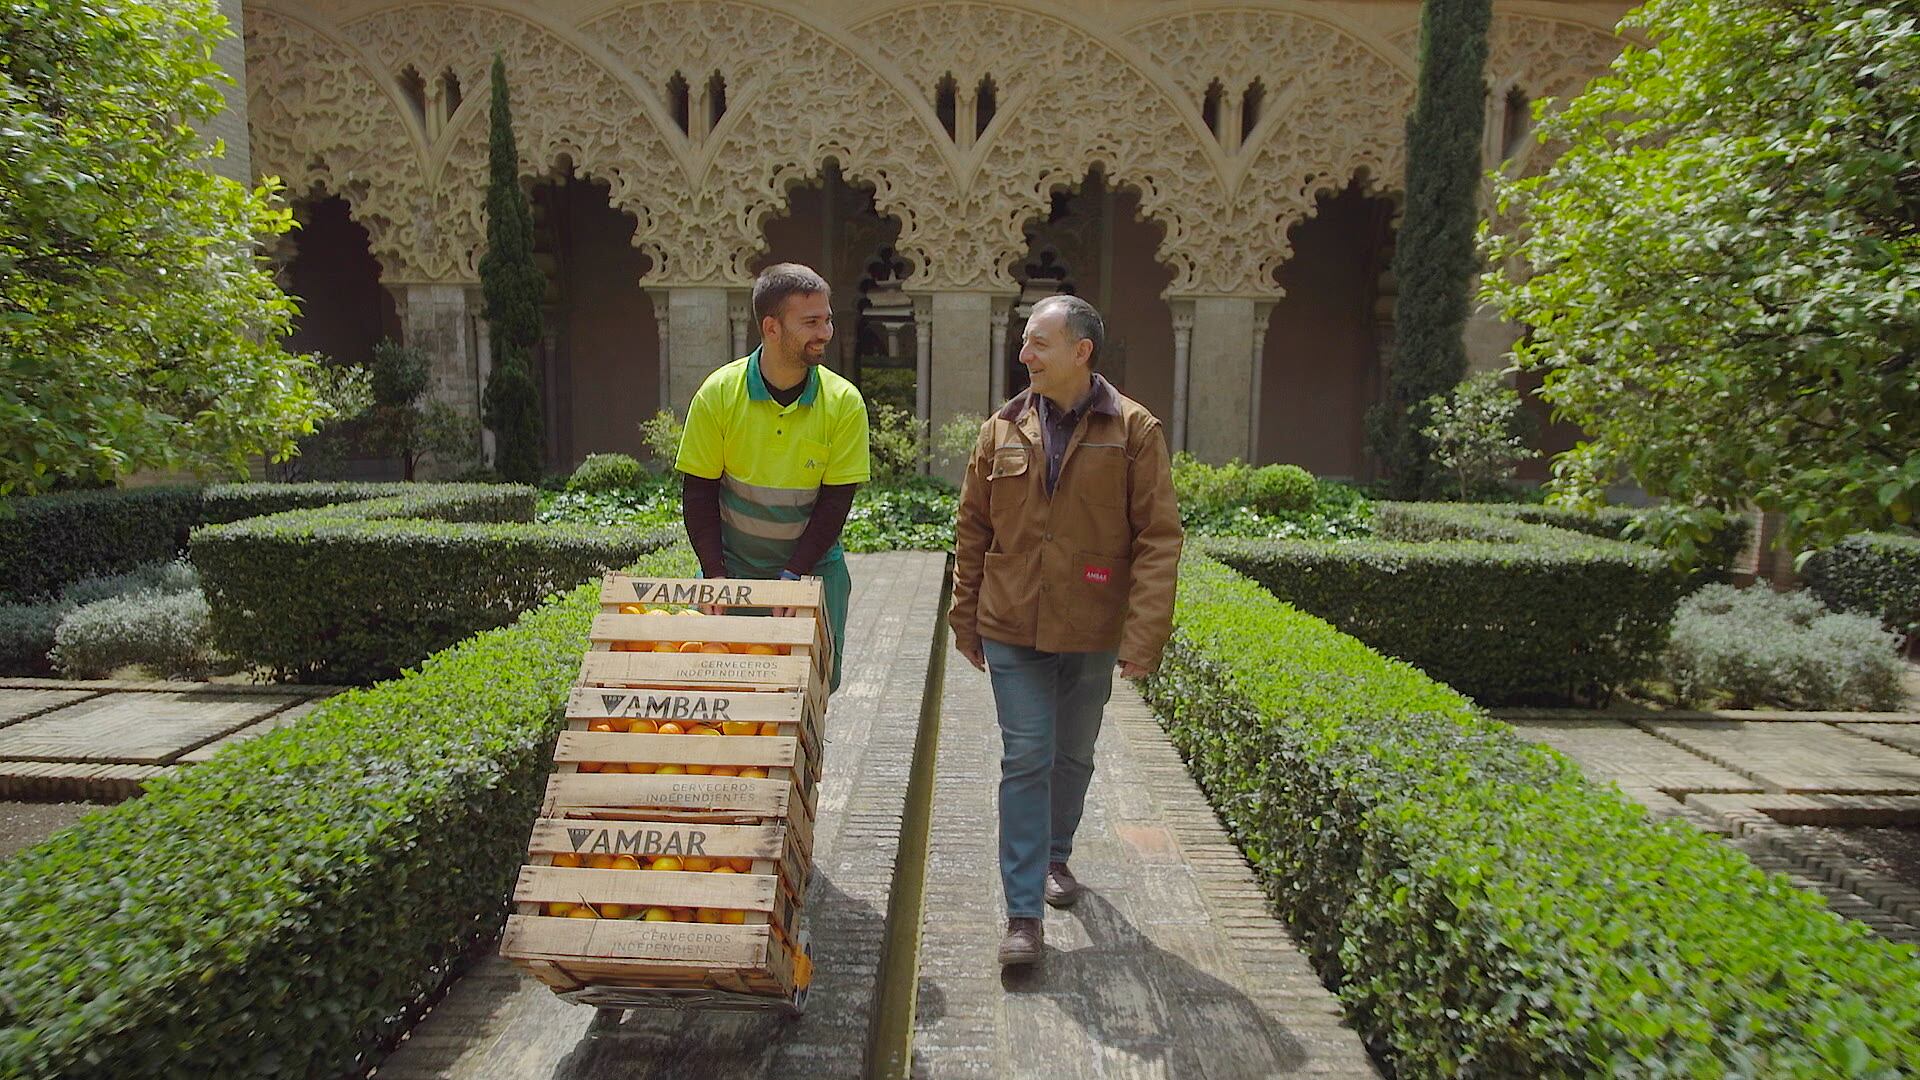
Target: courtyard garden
point(1719, 287)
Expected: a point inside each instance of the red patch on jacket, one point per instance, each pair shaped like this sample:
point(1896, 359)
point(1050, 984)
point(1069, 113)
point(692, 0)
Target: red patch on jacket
point(1098, 575)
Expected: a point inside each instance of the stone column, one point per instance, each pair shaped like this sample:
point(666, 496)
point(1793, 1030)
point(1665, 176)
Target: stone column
point(1219, 373)
point(962, 325)
point(739, 318)
point(997, 358)
point(698, 343)
point(443, 320)
point(1182, 373)
point(661, 359)
point(922, 358)
point(1262, 311)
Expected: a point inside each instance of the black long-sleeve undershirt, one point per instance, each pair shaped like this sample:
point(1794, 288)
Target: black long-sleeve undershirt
point(700, 510)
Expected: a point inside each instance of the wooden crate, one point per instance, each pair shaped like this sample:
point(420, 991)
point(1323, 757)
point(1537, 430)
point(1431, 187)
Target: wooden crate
point(595, 807)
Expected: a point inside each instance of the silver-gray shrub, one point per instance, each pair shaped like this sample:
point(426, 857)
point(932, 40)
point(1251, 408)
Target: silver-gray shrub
point(161, 577)
point(1755, 647)
point(167, 633)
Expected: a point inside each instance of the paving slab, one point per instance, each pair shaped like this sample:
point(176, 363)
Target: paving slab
point(1169, 966)
point(1633, 758)
point(1899, 736)
point(1795, 757)
point(498, 1025)
point(136, 728)
point(18, 704)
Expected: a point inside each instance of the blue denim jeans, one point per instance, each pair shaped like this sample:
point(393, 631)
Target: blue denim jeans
point(1049, 706)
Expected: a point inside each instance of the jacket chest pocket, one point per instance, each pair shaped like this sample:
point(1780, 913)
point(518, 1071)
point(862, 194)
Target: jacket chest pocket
point(1007, 479)
point(1098, 474)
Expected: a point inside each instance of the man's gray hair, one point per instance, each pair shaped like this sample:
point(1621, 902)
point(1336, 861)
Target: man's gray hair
point(1083, 322)
point(779, 281)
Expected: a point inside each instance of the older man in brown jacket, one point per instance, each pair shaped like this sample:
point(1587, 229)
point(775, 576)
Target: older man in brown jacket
point(1067, 549)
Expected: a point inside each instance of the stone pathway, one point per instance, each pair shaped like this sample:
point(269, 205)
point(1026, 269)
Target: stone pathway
point(495, 1023)
point(1756, 778)
point(100, 740)
point(1169, 966)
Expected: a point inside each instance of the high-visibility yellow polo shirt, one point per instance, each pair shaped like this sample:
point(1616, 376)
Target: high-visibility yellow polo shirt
point(770, 458)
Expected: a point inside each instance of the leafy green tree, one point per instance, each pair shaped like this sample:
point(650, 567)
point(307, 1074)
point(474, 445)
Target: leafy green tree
point(1479, 433)
point(404, 422)
point(1434, 258)
point(139, 327)
point(1721, 273)
point(514, 290)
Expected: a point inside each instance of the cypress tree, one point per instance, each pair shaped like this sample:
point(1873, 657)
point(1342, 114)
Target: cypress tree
point(513, 288)
point(1435, 259)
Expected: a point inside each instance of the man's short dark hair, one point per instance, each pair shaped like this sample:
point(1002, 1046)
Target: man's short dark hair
point(779, 281)
point(1083, 322)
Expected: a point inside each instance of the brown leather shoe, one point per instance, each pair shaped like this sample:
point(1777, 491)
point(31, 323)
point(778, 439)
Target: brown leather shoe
point(1062, 887)
point(1022, 943)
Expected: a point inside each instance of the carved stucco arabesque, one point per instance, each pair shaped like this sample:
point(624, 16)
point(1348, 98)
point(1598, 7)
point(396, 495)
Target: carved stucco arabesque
point(325, 117)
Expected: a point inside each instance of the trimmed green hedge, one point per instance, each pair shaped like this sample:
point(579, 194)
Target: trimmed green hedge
point(1716, 556)
point(47, 542)
point(272, 912)
point(355, 592)
point(1499, 609)
point(1873, 574)
point(1482, 909)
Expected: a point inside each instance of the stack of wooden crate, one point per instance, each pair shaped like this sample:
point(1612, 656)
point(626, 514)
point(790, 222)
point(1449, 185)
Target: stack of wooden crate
point(674, 844)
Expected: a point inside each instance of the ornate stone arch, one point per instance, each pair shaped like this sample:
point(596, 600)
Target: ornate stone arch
point(777, 132)
point(1353, 84)
point(322, 120)
point(1098, 105)
point(1542, 58)
point(568, 103)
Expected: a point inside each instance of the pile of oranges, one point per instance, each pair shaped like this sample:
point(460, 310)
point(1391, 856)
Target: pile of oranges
point(688, 863)
point(674, 727)
point(688, 646)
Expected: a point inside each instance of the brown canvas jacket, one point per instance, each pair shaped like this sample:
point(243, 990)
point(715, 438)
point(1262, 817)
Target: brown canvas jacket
point(1090, 568)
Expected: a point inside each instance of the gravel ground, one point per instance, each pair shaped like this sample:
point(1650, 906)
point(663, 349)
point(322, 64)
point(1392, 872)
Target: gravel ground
point(23, 824)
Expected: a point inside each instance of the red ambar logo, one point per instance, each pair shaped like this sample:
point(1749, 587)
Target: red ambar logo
point(1098, 575)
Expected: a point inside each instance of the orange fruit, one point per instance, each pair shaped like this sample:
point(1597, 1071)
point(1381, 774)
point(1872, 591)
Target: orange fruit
point(666, 646)
point(643, 727)
point(741, 866)
point(671, 770)
point(738, 727)
point(752, 772)
point(698, 864)
point(699, 770)
point(708, 915)
point(619, 725)
point(671, 728)
point(725, 770)
point(560, 909)
point(666, 862)
point(692, 646)
point(588, 766)
point(658, 914)
point(566, 858)
point(625, 862)
point(762, 650)
point(641, 768)
point(633, 609)
point(734, 918)
point(723, 870)
point(600, 725)
point(582, 913)
point(683, 914)
point(613, 911)
point(715, 647)
point(770, 728)
point(703, 729)
point(600, 862)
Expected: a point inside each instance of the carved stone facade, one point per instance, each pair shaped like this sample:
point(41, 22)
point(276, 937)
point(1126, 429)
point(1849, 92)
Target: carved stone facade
point(1230, 122)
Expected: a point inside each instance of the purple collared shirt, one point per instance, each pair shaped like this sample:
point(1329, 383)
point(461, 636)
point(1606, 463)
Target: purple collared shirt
point(1056, 426)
